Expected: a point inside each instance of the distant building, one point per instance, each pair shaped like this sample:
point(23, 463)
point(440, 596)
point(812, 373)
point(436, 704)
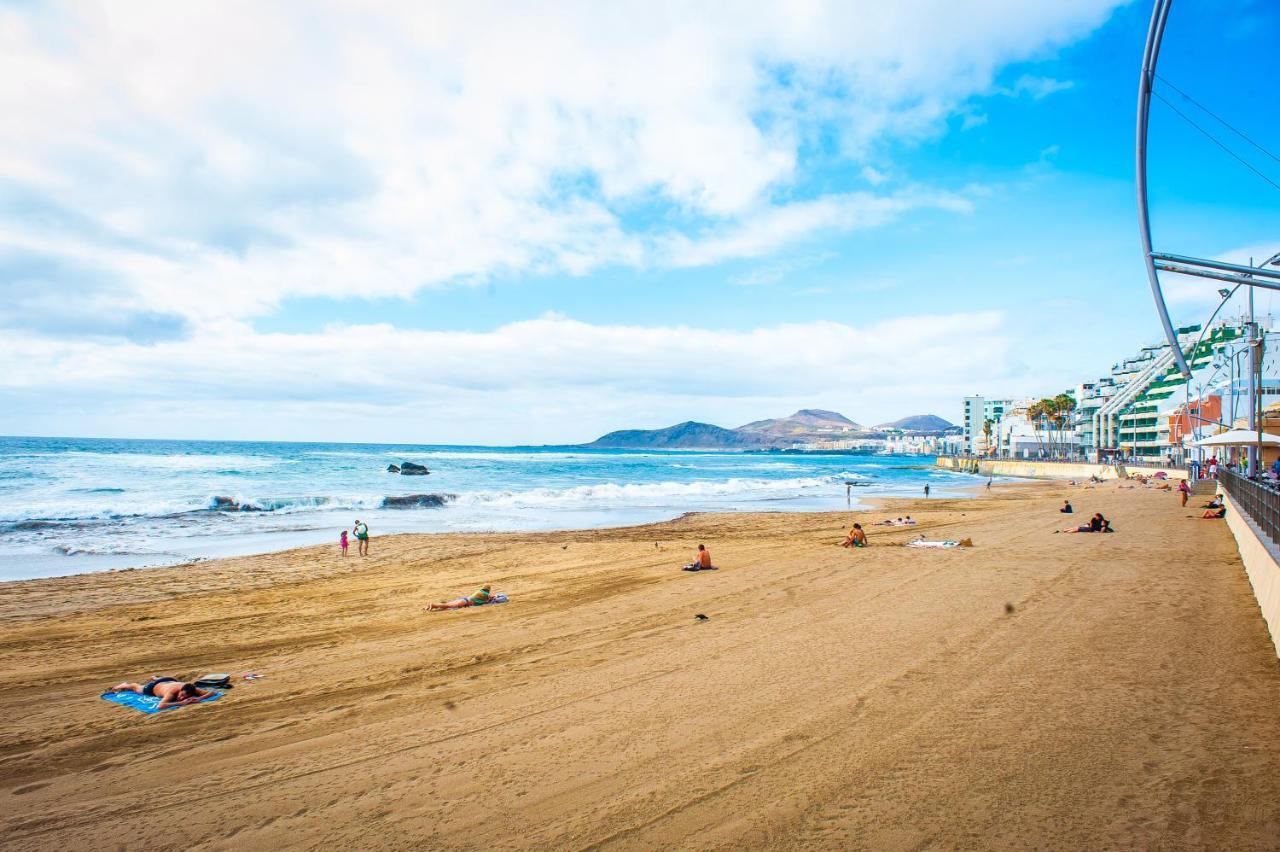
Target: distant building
point(978, 411)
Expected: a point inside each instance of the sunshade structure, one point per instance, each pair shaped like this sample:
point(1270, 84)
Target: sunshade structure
point(1239, 438)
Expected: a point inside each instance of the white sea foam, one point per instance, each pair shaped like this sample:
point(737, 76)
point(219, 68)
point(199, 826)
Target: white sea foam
point(652, 493)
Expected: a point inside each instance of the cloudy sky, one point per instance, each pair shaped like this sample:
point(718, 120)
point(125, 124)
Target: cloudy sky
point(528, 223)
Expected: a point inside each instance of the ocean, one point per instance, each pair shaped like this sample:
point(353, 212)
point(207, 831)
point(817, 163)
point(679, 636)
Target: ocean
point(73, 505)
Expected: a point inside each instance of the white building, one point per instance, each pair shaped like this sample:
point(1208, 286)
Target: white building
point(978, 411)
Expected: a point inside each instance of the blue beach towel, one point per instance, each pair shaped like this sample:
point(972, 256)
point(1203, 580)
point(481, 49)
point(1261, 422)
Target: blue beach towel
point(149, 703)
point(493, 600)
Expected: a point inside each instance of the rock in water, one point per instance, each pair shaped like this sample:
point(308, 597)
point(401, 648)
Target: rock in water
point(413, 469)
point(393, 468)
point(416, 501)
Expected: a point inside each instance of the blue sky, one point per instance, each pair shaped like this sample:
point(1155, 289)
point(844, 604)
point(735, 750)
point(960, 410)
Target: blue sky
point(486, 226)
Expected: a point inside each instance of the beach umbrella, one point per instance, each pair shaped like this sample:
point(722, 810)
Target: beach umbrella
point(1239, 438)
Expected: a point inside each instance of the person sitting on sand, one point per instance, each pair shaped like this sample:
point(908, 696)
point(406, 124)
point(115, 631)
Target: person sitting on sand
point(171, 691)
point(857, 537)
point(1066, 508)
point(1214, 514)
point(702, 559)
point(1096, 524)
point(1215, 503)
point(481, 596)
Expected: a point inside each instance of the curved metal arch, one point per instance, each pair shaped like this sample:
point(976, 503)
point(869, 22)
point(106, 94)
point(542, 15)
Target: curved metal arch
point(1150, 55)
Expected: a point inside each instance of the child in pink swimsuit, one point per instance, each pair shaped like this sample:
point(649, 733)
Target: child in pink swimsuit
point(342, 540)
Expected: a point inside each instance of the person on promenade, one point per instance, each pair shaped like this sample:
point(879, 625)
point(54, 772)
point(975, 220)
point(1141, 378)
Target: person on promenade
point(481, 596)
point(1213, 467)
point(343, 543)
point(1066, 508)
point(361, 529)
point(857, 537)
point(169, 690)
point(1184, 491)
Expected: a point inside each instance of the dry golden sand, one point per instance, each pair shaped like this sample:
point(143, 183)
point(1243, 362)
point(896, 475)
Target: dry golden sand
point(881, 698)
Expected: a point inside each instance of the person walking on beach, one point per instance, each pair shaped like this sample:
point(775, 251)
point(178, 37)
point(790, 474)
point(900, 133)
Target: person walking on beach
point(926, 491)
point(343, 543)
point(1184, 491)
point(361, 529)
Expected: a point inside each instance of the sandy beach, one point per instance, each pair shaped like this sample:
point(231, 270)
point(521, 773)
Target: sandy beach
point(1038, 690)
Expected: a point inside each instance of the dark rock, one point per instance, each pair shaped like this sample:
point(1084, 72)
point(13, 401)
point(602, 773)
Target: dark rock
point(416, 501)
point(413, 469)
point(393, 468)
point(229, 504)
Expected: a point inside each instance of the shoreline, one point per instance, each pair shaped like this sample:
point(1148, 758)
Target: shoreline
point(265, 543)
point(1036, 690)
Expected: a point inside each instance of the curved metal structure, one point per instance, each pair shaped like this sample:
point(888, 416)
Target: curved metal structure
point(1150, 55)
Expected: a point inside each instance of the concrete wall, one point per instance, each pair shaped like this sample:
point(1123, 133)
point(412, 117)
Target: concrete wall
point(1262, 563)
point(1048, 469)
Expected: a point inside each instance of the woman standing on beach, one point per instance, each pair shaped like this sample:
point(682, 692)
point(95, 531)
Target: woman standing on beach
point(361, 530)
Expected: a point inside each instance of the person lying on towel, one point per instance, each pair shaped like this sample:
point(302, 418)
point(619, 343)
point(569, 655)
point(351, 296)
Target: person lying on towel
point(169, 690)
point(481, 596)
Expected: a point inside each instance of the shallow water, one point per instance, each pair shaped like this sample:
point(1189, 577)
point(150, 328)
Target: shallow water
point(74, 505)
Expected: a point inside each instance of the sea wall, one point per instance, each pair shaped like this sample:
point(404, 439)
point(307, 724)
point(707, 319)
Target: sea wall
point(1049, 469)
point(1261, 560)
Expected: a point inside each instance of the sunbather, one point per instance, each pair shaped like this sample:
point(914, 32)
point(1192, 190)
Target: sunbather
point(169, 690)
point(1214, 514)
point(481, 596)
point(857, 537)
point(1096, 524)
point(701, 560)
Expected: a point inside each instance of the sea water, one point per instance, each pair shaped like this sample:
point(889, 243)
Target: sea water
point(70, 505)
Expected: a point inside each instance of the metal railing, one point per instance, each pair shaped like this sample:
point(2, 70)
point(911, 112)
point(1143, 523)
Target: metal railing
point(1256, 498)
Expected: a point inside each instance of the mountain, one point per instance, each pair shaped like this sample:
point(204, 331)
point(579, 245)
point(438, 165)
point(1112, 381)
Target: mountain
point(805, 422)
point(687, 435)
point(919, 423)
point(808, 424)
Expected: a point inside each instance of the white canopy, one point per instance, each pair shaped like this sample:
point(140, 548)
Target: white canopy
point(1239, 438)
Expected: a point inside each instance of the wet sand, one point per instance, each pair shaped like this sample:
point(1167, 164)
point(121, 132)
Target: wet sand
point(1039, 690)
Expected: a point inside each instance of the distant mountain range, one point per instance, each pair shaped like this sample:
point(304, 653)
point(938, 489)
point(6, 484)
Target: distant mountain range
point(922, 423)
point(805, 426)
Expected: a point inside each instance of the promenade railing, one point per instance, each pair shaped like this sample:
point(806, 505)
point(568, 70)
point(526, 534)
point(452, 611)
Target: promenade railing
point(1256, 498)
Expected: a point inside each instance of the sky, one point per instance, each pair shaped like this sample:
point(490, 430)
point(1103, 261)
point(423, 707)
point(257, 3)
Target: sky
point(532, 223)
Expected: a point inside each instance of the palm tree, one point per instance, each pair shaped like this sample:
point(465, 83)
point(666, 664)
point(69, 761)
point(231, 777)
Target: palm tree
point(1035, 413)
point(986, 433)
point(1063, 405)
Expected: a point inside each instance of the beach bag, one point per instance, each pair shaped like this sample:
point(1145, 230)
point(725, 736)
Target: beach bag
point(214, 681)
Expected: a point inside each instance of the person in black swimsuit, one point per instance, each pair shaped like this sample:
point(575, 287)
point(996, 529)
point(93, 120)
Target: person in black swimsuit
point(169, 690)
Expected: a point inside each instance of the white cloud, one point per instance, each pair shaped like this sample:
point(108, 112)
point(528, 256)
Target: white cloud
point(493, 386)
point(1039, 87)
point(209, 159)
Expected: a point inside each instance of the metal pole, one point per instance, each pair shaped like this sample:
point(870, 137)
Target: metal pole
point(1150, 55)
point(1253, 369)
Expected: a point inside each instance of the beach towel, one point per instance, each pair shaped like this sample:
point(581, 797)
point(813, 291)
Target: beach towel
point(149, 703)
point(496, 599)
point(934, 544)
